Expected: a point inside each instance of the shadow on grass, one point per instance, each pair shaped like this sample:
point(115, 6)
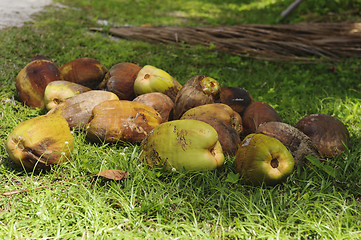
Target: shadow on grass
point(232, 12)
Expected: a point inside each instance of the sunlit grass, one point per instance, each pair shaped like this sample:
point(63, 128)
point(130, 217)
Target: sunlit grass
point(261, 4)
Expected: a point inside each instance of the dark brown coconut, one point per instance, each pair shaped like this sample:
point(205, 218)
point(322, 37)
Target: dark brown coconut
point(257, 113)
point(198, 90)
point(120, 80)
point(328, 133)
point(237, 98)
point(32, 80)
point(160, 102)
point(85, 71)
point(298, 143)
point(227, 135)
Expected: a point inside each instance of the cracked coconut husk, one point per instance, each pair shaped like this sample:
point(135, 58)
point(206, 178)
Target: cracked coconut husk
point(301, 42)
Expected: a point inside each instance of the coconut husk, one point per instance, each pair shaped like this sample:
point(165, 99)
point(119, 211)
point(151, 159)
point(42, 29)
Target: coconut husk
point(301, 41)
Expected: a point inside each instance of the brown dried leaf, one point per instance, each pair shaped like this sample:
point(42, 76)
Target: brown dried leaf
point(113, 174)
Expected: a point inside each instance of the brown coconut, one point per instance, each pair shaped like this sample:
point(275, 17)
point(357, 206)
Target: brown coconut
point(298, 143)
point(160, 102)
point(257, 113)
point(328, 133)
point(237, 98)
point(219, 111)
point(85, 71)
point(32, 80)
point(77, 110)
point(198, 90)
point(121, 121)
point(120, 80)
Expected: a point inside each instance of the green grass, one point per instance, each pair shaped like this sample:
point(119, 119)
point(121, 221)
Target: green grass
point(316, 202)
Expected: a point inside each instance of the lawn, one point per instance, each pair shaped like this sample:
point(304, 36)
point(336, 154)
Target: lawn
point(320, 201)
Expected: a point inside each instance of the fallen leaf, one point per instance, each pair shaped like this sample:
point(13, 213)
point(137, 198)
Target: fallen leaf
point(113, 174)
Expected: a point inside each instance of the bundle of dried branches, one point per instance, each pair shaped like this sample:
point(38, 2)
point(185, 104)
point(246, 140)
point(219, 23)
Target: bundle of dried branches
point(302, 41)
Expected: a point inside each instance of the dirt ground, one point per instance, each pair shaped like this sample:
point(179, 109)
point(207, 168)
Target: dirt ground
point(16, 12)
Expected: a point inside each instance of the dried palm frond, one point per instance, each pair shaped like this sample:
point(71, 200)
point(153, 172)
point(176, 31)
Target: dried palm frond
point(302, 41)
